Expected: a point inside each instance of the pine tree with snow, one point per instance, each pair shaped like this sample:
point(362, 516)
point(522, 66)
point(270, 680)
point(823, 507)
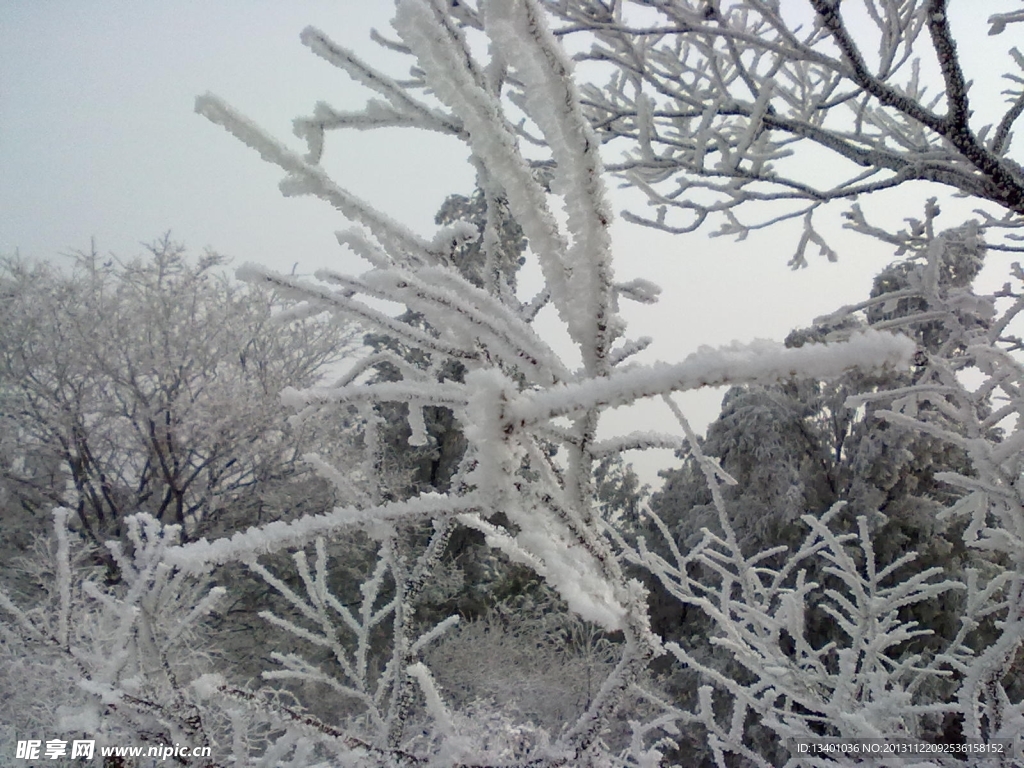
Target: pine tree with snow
point(803, 447)
point(799, 447)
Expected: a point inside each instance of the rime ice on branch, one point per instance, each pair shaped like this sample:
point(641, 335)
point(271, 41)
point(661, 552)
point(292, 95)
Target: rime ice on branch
point(794, 104)
point(529, 416)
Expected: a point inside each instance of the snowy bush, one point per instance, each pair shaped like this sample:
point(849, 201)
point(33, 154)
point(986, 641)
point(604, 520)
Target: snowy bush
point(112, 662)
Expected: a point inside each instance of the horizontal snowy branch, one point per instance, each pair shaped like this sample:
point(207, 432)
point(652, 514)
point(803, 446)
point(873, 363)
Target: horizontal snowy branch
point(280, 535)
point(761, 361)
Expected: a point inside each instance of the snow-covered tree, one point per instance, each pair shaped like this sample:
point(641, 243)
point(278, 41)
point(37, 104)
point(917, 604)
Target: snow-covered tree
point(966, 682)
point(801, 446)
point(151, 386)
point(808, 447)
point(125, 387)
point(529, 414)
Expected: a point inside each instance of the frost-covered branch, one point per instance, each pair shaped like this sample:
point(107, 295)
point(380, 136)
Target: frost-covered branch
point(716, 104)
point(468, 345)
point(121, 657)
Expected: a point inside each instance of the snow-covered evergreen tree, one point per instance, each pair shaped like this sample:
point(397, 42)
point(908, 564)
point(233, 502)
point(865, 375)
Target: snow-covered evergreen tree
point(801, 446)
point(804, 447)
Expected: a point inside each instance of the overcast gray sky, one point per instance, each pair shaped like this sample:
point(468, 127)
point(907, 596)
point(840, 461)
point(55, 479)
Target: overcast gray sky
point(98, 135)
point(98, 138)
